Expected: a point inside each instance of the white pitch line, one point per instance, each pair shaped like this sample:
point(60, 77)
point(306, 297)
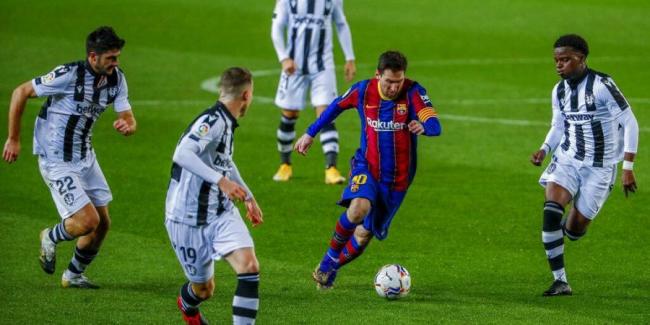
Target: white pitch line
point(210, 85)
point(443, 116)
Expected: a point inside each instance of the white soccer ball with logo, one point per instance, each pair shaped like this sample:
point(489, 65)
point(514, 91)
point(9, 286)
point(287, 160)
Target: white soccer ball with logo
point(392, 281)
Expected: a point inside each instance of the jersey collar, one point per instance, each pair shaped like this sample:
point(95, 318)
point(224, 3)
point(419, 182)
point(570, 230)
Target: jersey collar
point(90, 69)
point(383, 97)
point(225, 110)
point(573, 83)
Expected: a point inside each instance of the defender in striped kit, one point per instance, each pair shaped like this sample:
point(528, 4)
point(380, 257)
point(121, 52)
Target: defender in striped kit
point(593, 128)
point(308, 64)
point(202, 221)
point(393, 111)
point(77, 94)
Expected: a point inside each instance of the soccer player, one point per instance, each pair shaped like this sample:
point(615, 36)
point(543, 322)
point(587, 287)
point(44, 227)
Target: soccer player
point(594, 127)
point(77, 94)
point(308, 63)
point(393, 111)
point(202, 221)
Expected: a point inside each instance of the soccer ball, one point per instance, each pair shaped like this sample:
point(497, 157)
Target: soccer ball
point(392, 281)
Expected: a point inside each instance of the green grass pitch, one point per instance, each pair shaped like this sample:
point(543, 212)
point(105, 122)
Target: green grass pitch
point(468, 231)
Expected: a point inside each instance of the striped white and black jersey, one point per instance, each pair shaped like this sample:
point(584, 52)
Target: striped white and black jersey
point(588, 111)
point(192, 199)
point(76, 97)
point(308, 25)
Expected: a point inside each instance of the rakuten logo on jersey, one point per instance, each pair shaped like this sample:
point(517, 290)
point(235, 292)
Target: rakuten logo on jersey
point(382, 126)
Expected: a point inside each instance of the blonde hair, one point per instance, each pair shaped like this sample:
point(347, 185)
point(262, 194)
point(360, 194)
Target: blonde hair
point(233, 81)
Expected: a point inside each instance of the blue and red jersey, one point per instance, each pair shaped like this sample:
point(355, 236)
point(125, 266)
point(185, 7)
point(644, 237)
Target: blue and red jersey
point(387, 147)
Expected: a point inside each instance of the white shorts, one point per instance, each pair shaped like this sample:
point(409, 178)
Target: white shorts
point(75, 184)
point(589, 186)
point(292, 89)
point(197, 247)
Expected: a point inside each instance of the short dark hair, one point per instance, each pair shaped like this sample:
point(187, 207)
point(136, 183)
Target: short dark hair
point(102, 40)
point(573, 41)
point(233, 81)
point(392, 60)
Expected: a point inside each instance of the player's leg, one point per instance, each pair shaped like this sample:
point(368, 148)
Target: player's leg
point(79, 224)
point(323, 92)
point(190, 297)
point(85, 252)
point(596, 185)
point(355, 246)
point(246, 300)
point(93, 181)
point(286, 134)
point(290, 98)
point(575, 225)
point(194, 251)
point(78, 216)
point(325, 272)
point(345, 228)
point(375, 223)
point(561, 180)
point(557, 197)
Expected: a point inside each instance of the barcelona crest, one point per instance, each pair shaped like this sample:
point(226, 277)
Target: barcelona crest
point(401, 109)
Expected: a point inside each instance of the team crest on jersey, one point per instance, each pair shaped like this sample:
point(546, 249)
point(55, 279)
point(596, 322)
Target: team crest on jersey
point(401, 109)
point(112, 91)
point(190, 269)
point(69, 199)
point(589, 99)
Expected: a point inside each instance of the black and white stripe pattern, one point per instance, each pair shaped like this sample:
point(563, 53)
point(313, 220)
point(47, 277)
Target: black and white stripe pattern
point(589, 107)
point(553, 238)
point(310, 35)
point(58, 233)
point(81, 259)
point(329, 139)
point(76, 97)
point(189, 301)
point(286, 133)
point(246, 301)
point(191, 199)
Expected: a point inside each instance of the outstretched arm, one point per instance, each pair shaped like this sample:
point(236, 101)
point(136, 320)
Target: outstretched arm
point(348, 100)
point(16, 108)
point(630, 144)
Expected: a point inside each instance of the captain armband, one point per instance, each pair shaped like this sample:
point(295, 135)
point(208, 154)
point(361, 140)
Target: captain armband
point(426, 113)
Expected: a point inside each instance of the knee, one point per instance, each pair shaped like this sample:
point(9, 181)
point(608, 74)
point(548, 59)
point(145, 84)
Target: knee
point(204, 291)
point(251, 266)
point(290, 113)
point(88, 223)
point(363, 237)
point(358, 210)
point(574, 235)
